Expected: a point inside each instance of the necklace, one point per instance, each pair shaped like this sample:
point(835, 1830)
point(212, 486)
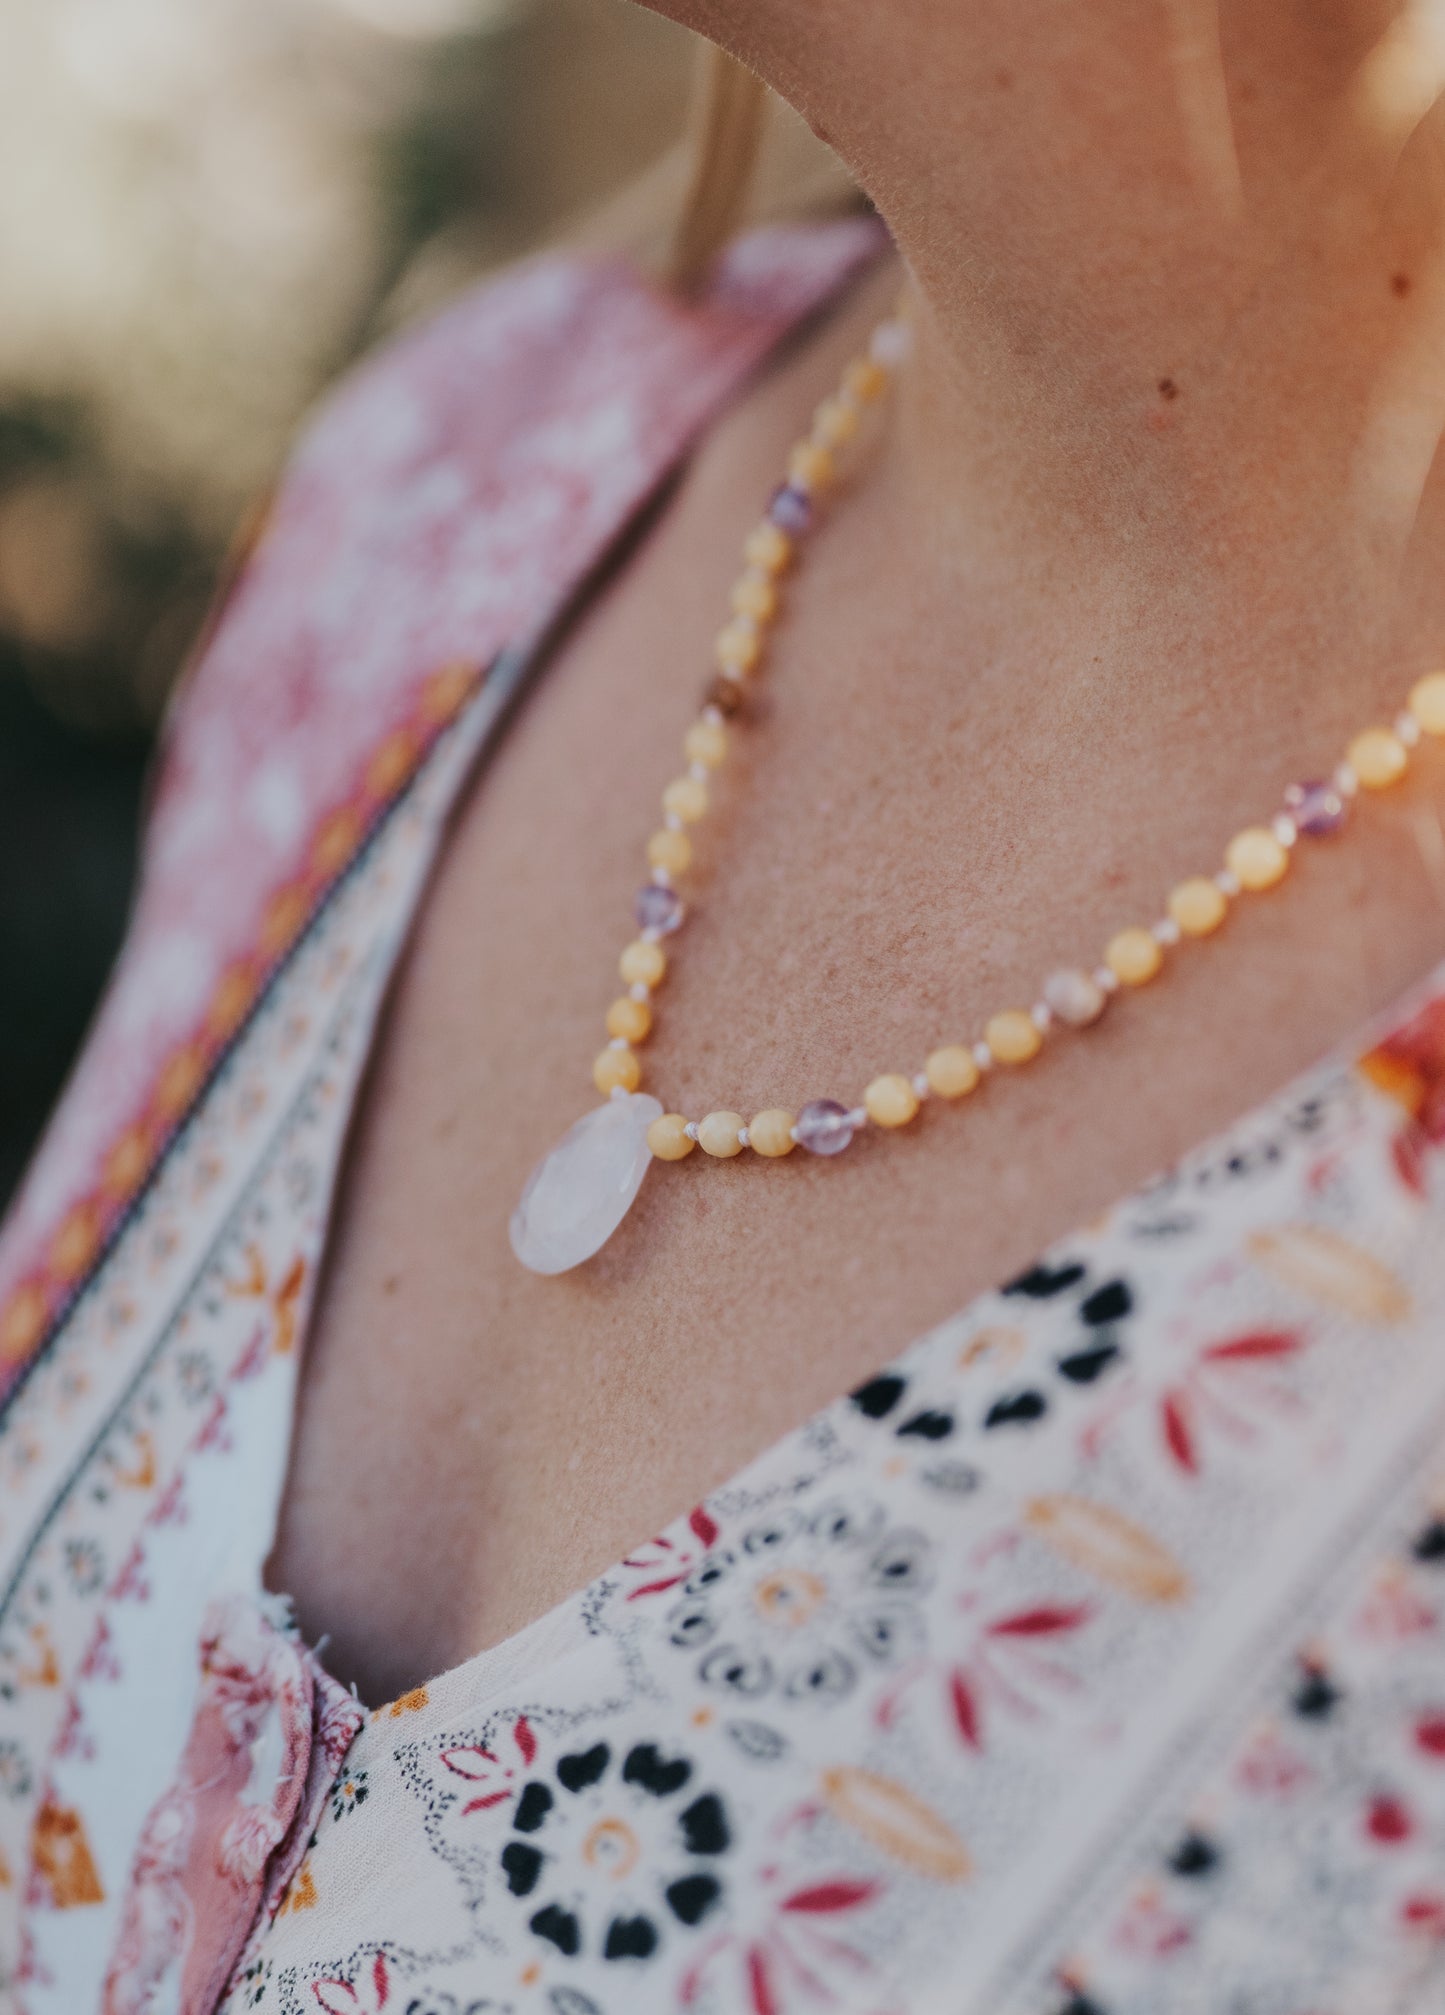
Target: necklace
point(580, 1192)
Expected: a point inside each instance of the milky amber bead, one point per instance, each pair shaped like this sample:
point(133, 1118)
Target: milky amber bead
point(890, 1100)
point(754, 595)
point(669, 1138)
point(670, 850)
point(1256, 858)
point(768, 547)
point(1198, 907)
point(642, 964)
point(725, 695)
point(1133, 957)
point(706, 742)
point(810, 466)
point(629, 1020)
point(685, 798)
point(835, 422)
point(1427, 702)
point(771, 1133)
point(737, 648)
point(951, 1071)
point(718, 1134)
point(1378, 758)
point(616, 1067)
point(1013, 1036)
point(864, 380)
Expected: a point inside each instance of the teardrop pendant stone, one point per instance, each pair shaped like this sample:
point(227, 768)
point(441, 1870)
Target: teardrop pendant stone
point(578, 1194)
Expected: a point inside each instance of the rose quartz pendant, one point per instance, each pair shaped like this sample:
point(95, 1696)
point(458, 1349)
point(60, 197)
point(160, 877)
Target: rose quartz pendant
point(578, 1194)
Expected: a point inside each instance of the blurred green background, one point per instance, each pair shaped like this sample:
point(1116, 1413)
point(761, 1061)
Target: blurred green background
point(207, 209)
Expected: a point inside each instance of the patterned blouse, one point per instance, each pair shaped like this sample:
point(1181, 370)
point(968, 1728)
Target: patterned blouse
point(1087, 1660)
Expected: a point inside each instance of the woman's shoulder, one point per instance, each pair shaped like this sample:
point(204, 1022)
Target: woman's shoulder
point(440, 505)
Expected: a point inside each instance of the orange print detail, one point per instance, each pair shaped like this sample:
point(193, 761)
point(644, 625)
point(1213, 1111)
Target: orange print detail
point(302, 1893)
point(896, 1821)
point(288, 1297)
point(64, 1865)
point(46, 1670)
point(143, 1475)
point(128, 1162)
point(76, 1242)
point(409, 1703)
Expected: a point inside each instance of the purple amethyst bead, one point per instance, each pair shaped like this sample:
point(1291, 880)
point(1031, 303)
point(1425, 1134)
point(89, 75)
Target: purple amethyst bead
point(1316, 807)
point(657, 908)
point(825, 1127)
point(792, 511)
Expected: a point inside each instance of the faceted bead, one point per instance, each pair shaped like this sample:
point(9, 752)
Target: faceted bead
point(810, 467)
point(834, 422)
point(616, 1068)
point(657, 908)
point(1256, 858)
point(1013, 1036)
point(951, 1071)
point(1378, 758)
point(629, 1020)
point(685, 798)
point(791, 510)
point(718, 1134)
point(891, 1100)
point(771, 1133)
point(1134, 957)
point(1073, 997)
point(737, 648)
point(670, 851)
point(1316, 807)
point(1198, 906)
point(825, 1127)
point(579, 1193)
point(725, 694)
point(768, 546)
point(1427, 702)
point(669, 1138)
point(642, 964)
point(706, 742)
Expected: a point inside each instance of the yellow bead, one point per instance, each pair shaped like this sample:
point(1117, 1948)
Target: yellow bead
point(754, 595)
point(810, 466)
point(629, 1020)
point(952, 1071)
point(835, 422)
point(1198, 907)
point(1256, 859)
point(670, 850)
point(718, 1134)
point(890, 1100)
point(771, 1133)
point(1427, 702)
point(768, 548)
point(737, 648)
point(706, 742)
point(865, 380)
point(616, 1067)
point(1013, 1036)
point(1134, 957)
point(669, 1138)
point(1378, 758)
point(685, 798)
point(642, 964)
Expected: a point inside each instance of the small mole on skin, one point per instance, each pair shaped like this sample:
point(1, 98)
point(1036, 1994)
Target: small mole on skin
point(1168, 389)
point(1400, 285)
point(390, 1285)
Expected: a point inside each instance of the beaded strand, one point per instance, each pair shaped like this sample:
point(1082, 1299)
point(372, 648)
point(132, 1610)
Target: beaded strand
point(1256, 860)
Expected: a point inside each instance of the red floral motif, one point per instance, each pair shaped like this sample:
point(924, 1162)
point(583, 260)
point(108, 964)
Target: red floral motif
point(794, 1956)
point(1409, 1066)
point(497, 1779)
point(1228, 1389)
point(368, 1994)
point(1269, 1767)
point(668, 1560)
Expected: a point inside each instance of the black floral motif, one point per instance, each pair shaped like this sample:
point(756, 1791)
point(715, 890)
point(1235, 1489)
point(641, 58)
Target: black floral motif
point(351, 1791)
point(619, 1849)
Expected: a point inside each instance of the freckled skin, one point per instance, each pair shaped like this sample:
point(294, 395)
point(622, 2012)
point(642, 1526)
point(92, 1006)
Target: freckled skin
point(1043, 663)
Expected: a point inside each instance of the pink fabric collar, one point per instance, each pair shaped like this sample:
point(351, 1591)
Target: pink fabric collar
point(442, 506)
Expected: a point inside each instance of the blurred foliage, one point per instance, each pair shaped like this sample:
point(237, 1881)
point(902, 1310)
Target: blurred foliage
point(207, 209)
